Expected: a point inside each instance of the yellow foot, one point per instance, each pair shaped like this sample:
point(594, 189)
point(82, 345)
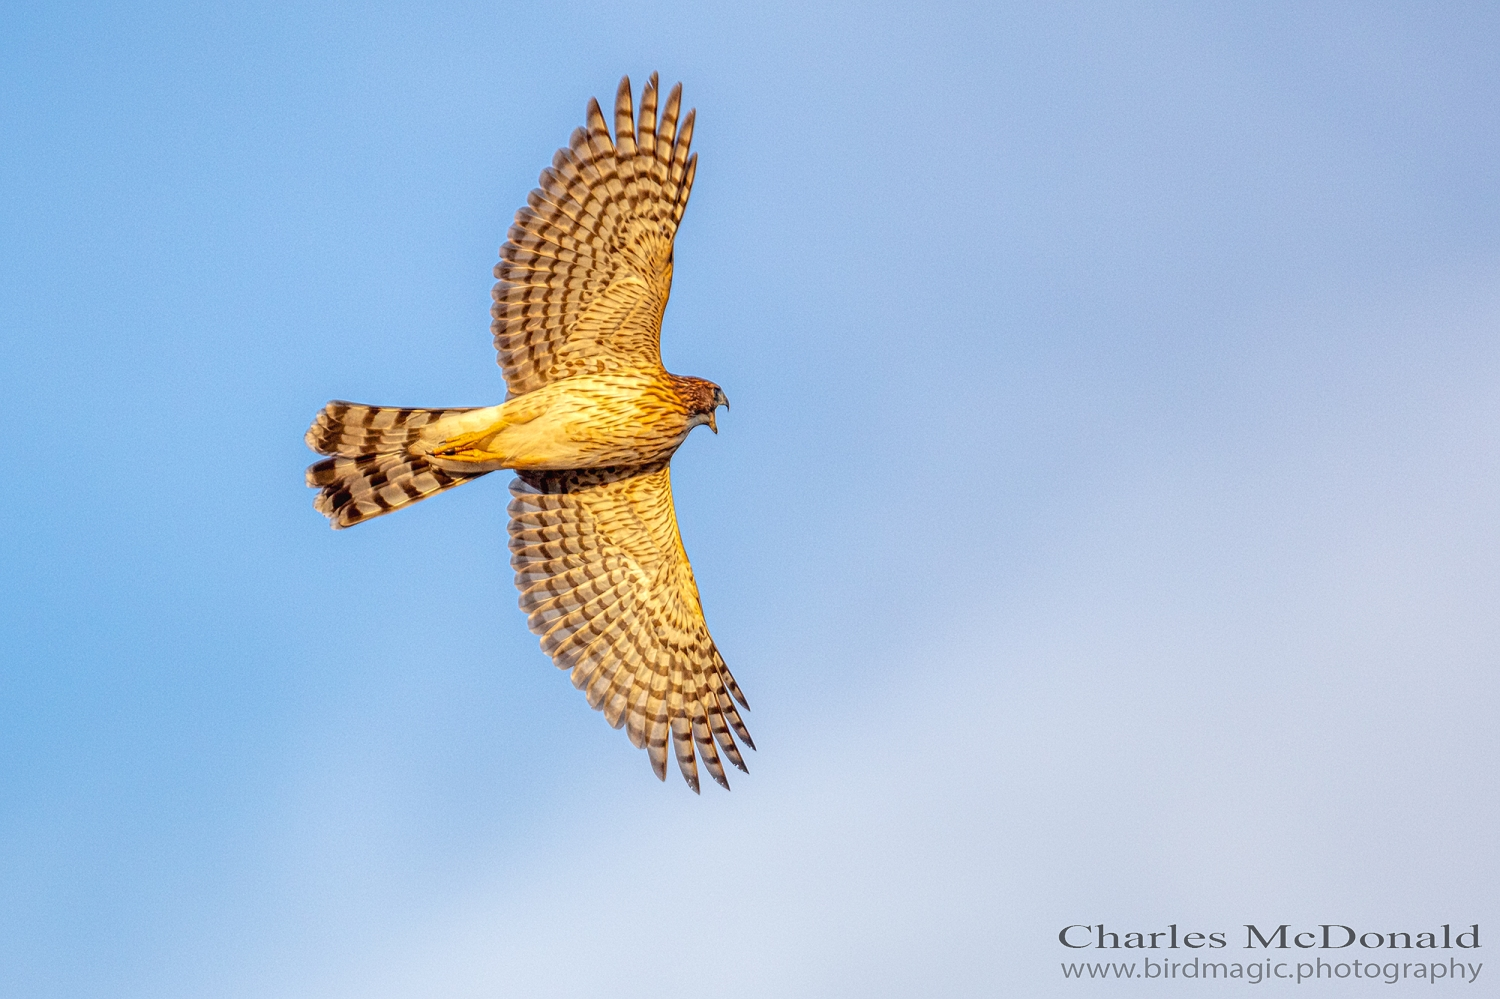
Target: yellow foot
point(467, 447)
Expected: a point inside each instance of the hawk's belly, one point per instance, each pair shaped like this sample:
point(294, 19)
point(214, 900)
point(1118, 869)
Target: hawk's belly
point(587, 421)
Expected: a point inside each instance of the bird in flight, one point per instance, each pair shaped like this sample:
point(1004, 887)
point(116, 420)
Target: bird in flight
point(589, 425)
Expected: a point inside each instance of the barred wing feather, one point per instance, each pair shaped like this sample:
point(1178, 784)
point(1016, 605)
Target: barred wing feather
point(586, 269)
point(605, 582)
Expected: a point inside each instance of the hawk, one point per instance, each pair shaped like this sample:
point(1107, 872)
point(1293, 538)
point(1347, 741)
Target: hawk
point(589, 425)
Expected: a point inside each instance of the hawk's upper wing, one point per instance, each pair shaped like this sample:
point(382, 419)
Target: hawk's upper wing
point(605, 582)
point(586, 268)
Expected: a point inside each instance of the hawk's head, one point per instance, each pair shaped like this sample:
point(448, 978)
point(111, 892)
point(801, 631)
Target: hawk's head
point(702, 397)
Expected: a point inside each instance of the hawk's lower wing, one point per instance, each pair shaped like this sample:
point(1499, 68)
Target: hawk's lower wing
point(605, 582)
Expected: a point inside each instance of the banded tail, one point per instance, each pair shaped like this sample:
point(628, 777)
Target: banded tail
point(374, 467)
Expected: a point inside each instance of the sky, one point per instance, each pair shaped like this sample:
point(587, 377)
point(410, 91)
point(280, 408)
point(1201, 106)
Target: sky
point(1105, 530)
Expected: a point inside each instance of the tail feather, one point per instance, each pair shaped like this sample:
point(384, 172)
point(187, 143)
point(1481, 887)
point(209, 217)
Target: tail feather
point(373, 469)
point(351, 430)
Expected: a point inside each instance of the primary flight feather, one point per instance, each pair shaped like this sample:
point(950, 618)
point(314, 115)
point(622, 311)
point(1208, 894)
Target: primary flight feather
point(589, 424)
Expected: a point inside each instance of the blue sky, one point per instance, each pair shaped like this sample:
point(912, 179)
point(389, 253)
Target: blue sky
point(1105, 528)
